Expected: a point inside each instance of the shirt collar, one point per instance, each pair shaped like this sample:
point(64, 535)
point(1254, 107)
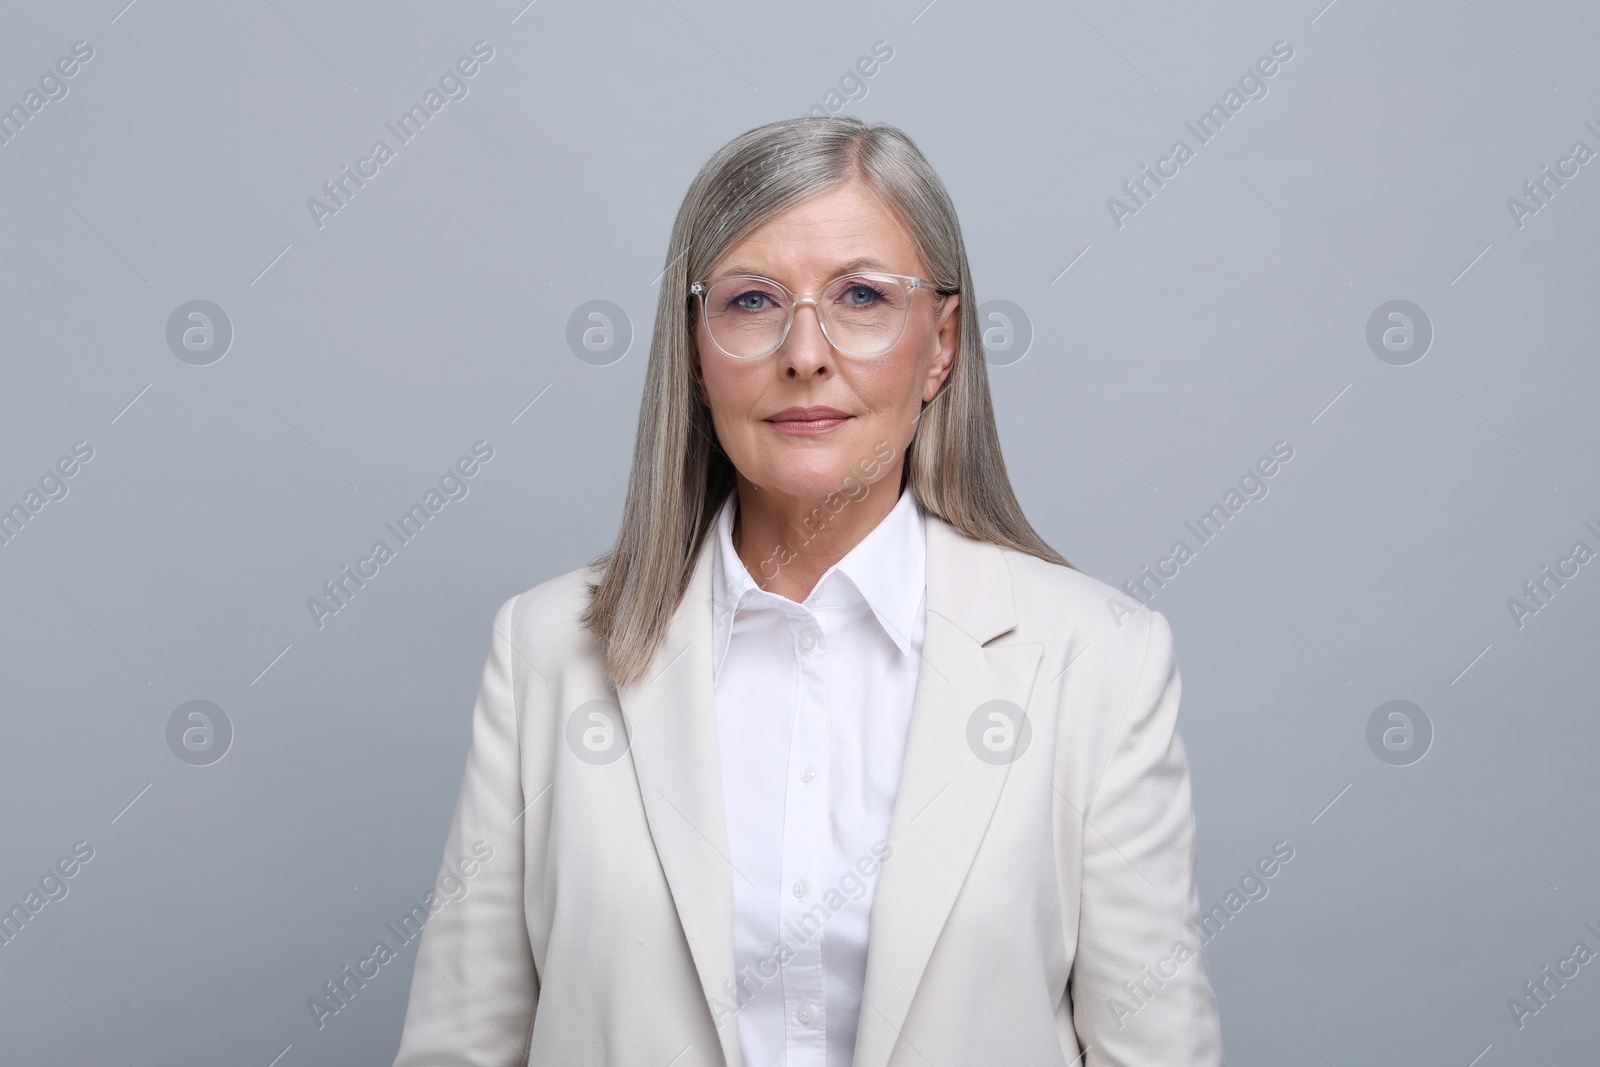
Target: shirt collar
point(887, 569)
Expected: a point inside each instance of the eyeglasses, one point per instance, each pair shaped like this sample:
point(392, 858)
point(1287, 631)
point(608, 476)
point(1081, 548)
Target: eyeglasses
point(862, 314)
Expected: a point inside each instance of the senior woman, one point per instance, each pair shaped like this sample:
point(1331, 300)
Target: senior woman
point(830, 760)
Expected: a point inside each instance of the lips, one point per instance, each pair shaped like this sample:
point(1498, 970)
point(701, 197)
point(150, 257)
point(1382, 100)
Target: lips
point(815, 414)
point(808, 422)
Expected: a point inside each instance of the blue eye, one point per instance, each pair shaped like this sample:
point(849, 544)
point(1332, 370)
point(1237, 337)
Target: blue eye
point(854, 295)
point(749, 300)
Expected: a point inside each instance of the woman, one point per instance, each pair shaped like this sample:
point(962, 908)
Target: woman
point(831, 760)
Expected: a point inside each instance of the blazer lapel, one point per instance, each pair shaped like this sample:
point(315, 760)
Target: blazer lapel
point(947, 794)
point(672, 733)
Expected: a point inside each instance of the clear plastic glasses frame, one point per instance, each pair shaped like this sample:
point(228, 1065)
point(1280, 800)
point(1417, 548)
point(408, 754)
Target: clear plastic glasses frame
point(908, 283)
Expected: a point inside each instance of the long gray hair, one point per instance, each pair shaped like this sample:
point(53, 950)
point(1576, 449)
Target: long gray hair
point(681, 475)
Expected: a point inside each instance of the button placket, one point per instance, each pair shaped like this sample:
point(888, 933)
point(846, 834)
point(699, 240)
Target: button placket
point(806, 837)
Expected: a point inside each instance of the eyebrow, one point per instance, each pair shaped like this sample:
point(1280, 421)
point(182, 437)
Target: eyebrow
point(859, 263)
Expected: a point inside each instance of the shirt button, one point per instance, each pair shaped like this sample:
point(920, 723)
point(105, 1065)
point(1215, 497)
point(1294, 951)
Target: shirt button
point(808, 639)
point(800, 889)
point(807, 774)
point(803, 1013)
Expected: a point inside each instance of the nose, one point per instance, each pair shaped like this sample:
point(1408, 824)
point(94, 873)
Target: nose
point(806, 351)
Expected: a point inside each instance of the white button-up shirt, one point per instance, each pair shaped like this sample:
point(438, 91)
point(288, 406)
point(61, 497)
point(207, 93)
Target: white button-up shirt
point(813, 708)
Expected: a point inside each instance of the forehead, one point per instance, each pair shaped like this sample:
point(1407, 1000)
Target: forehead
point(842, 230)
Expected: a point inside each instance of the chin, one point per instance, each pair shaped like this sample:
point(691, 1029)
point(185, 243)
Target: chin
point(839, 475)
point(810, 476)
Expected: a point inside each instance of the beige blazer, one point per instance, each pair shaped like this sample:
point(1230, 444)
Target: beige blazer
point(1035, 906)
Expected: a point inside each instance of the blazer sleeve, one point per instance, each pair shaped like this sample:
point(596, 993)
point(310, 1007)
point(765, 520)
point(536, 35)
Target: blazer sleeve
point(474, 990)
point(1139, 988)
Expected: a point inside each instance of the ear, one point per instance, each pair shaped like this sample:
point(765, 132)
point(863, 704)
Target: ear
point(947, 336)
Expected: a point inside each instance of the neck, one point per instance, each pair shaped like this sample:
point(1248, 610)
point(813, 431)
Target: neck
point(787, 543)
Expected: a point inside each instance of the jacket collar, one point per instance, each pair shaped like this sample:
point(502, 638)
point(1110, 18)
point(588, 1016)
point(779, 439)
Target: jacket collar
point(946, 798)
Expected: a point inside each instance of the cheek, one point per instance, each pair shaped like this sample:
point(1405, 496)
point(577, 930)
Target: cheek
point(894, 380)
point(882, 387)
point(731, 390)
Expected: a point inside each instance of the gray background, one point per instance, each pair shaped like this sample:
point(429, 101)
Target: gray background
point(369, 354)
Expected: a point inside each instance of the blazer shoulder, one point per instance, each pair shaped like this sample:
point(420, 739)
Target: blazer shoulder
point(547, 616)
point(1059, 602)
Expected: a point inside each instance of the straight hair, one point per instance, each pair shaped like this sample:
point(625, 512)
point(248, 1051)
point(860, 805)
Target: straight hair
point(681, 476)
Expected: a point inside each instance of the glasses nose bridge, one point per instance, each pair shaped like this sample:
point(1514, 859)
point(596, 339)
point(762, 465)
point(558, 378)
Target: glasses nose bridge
point(794, 306)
